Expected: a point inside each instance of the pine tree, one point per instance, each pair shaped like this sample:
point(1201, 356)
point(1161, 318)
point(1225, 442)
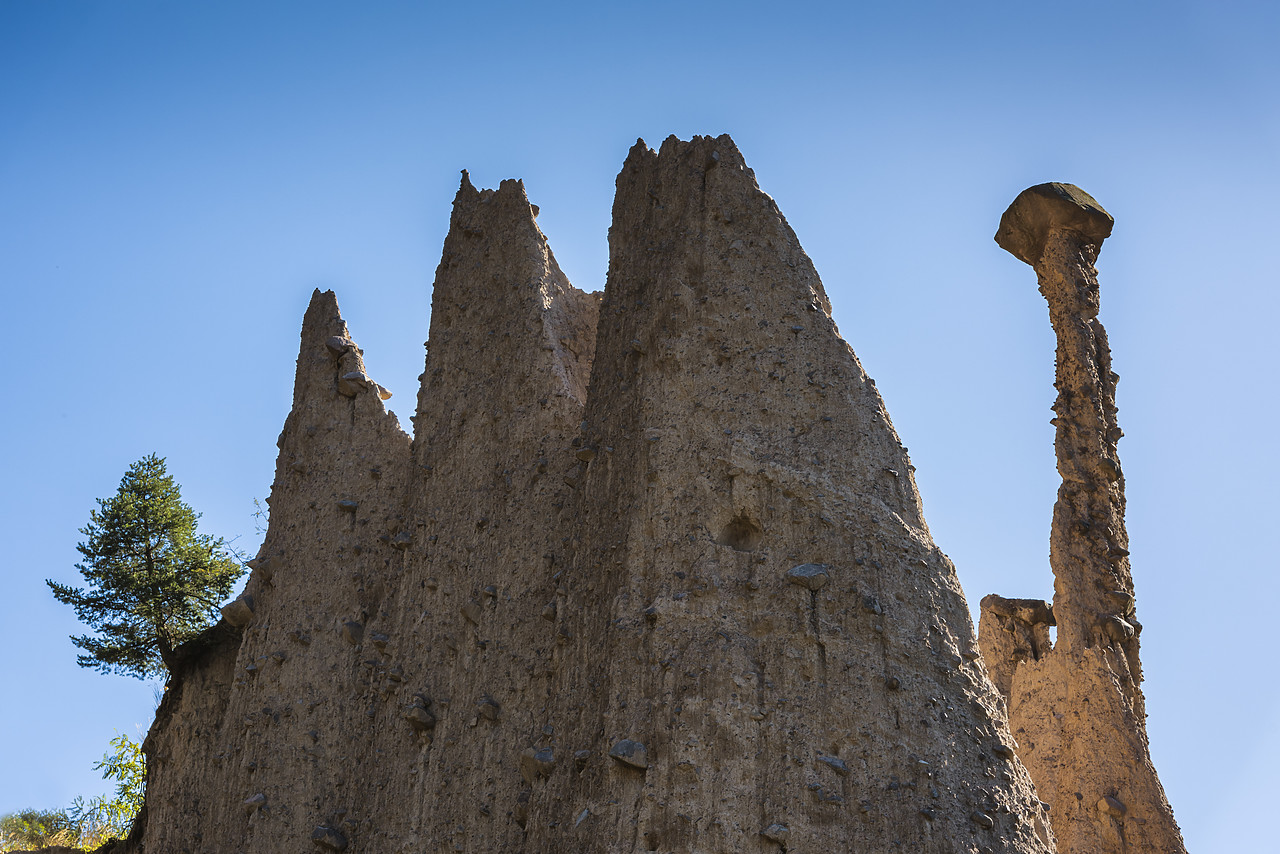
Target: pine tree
point(153, 581)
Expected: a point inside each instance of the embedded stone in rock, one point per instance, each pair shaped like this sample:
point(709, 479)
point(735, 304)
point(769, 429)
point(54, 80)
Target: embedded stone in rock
point(983, 820)
point(812, 576)
point(346, 505)
point(338, 344)
point(489, 709)
point(1044, 208)
point(549, 612)
point(402, 540)
point(835, 763)
point(353, 632)
point(1121, 601)
point(1118, 629)
point(778, 833)
point(253, 803)
point(353, 382)
point(472, 612)
point(239, 611)
point(1004, 751)
point(536, 763)
point(329, 839)
point(1033, 612)
point(420, 718)
point(1111, 806)
point(631, 753)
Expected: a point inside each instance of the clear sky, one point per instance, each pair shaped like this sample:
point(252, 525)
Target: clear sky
point(175, 178)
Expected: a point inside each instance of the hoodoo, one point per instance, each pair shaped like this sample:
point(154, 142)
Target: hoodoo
point(1077, 708)
point(651, 575)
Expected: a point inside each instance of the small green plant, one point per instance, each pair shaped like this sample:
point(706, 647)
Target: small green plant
point(32, 828)
point(102, 818)
point(86, 824)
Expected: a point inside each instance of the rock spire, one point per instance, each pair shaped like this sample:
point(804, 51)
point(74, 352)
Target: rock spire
point(651, 575)
point(1077, 709)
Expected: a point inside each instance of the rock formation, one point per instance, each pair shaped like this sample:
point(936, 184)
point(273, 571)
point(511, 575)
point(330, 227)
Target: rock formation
point(651, 575)
point(1076, 708)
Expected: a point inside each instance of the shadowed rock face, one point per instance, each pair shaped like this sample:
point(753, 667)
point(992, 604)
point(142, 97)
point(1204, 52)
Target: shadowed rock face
point(1077, 710)
point(651, 576)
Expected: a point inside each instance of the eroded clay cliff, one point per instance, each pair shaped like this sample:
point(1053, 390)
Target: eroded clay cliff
point(652, 575)
point(1076, 708)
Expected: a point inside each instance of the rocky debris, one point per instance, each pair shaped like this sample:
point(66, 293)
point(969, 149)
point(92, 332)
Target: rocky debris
point(835, 763)
point(631, 753)
point(328, 839)
point(1078, 706)
point(353, 632)
point(239, 611)
point(1111, 806)
point(778, 833)
point(536, 763)
point(812, 576)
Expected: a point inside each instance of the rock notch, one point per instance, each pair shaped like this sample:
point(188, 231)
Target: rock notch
point(652, 575)
point(1077, 709)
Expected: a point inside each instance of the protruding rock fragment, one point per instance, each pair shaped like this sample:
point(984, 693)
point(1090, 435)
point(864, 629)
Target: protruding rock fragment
point(1046, 208)
point(1121, 601)
point(339, 344)
point(537, 763)
point(811, 576)
point(239, 611)
point(253, 803)
point(353, 632)
point(1118, 629)
point(778, 833)
point(346, 505)
point(329, 839)
point(353, 382)
point(419, 715)
point(835, 763)
point(983, 820)
point(1111, 806)
point(631, 753)
point(489, 709)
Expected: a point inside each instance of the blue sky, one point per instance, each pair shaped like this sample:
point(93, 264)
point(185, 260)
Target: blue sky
point(175, 178)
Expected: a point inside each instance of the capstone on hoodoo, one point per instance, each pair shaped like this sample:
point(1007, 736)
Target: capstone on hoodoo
point(651, 575)
point(1076, 708)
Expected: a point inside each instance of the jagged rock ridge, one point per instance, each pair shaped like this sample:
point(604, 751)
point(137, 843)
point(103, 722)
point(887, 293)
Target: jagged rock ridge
point(652, 574)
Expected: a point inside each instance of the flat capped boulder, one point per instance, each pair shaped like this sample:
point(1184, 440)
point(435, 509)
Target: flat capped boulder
point(1038, 210)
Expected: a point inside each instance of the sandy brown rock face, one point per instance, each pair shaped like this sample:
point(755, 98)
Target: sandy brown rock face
point(653, 574)
point(1078, 710)
point(283, 712)
point(767, 613)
